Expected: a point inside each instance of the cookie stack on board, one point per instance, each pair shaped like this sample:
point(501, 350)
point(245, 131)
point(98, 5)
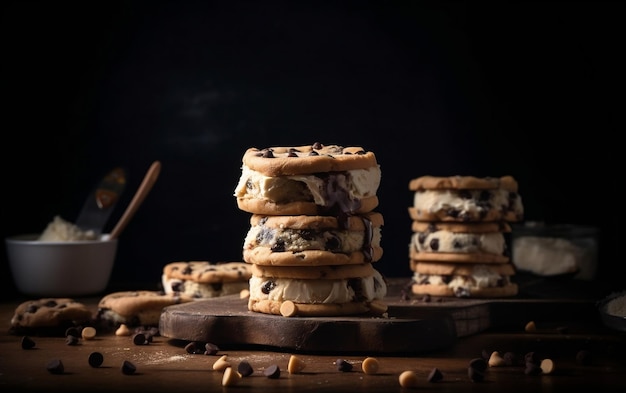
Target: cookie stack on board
point(458, 246)
point(314, 234)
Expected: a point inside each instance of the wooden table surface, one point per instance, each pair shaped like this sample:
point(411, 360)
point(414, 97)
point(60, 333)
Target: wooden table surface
point(165, 366)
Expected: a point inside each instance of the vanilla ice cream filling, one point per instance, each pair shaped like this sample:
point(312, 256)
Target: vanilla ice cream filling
point(318, 290)
point(468, 203)
point(446, 241)
point(296, 240)
point(461, 285)
point(60, 230)
point(318, 188)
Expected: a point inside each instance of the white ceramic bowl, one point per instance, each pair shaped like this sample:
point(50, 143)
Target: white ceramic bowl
point(60, 269)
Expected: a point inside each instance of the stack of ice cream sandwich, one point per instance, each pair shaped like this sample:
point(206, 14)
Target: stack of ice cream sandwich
point(314, 235)
point(459, 244)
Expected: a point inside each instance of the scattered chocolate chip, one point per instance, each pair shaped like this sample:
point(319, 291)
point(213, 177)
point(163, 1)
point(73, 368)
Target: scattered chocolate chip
point(140, 339)
point(95, 359)
point(532, 358)
point(272, 372)
point(583, 357)
point(128, 368)
point(475, 375)
point(210, 349)
point(479, 364)
point(343, 365)
point(27, 343)
point(244, 368)
point(532, 369)
point(485, 354)
point(435, 375)
point(510, 358)
point(71, 340)
point(426, 298)
point(194, 348)
point(55, 366)
point(72, 331)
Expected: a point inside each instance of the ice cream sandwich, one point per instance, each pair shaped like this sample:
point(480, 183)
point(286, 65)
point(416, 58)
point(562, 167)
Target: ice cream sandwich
point(317, 290)
point(463, 280)
point(315, 179)
point(478, 242)
point(465, 198)
point(205, 279)
point(313, 240)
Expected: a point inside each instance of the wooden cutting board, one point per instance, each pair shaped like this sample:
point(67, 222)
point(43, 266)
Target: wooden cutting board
point(412, 324)
point(227, 322)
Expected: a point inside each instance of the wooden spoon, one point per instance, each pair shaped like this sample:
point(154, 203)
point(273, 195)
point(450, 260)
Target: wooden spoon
point(141, 193)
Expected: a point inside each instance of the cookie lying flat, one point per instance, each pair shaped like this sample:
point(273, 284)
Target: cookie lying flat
point(49, 316)
point(316, 290)
point(481, 242)
point(135, 308)
point(204, 279)
point(313, 240)
point(466, 198)
point(463, 280)
point(310, 180)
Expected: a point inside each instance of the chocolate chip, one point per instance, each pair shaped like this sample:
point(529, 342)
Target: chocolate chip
point(128, 368)
point(435, 375)
point(268, 153)
point(475, 375)
point(27, 343)
point(55, 366)
point(583, 357)
point(479, 364)
point(194, 348)
point(532, 369)
point(434, 244)
point(71, 340)
point(317, 146)
point(343, 365)
point(426, 298)
point(244, 368)
point(532, 358)
point(140, 339)
point(272, 372)
point(210, 349)
point(73, 331)
point(510, 358)
point(95, 359)
point(268, 286)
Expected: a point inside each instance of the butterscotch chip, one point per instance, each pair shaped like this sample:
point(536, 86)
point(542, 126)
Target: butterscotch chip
point(295, 365)
point(370, 365)
point(496, 360)
point(88, 333)
point(123, 330)
point(230, 377)
point(530, 327)
point(547, 366)
point(221, 364)
point(408, 379)
point(288, 309)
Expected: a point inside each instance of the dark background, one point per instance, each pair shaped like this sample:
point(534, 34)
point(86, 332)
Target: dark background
point(530, 89)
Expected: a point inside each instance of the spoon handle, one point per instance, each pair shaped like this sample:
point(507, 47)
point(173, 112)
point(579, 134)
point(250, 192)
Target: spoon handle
point(141, 193)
